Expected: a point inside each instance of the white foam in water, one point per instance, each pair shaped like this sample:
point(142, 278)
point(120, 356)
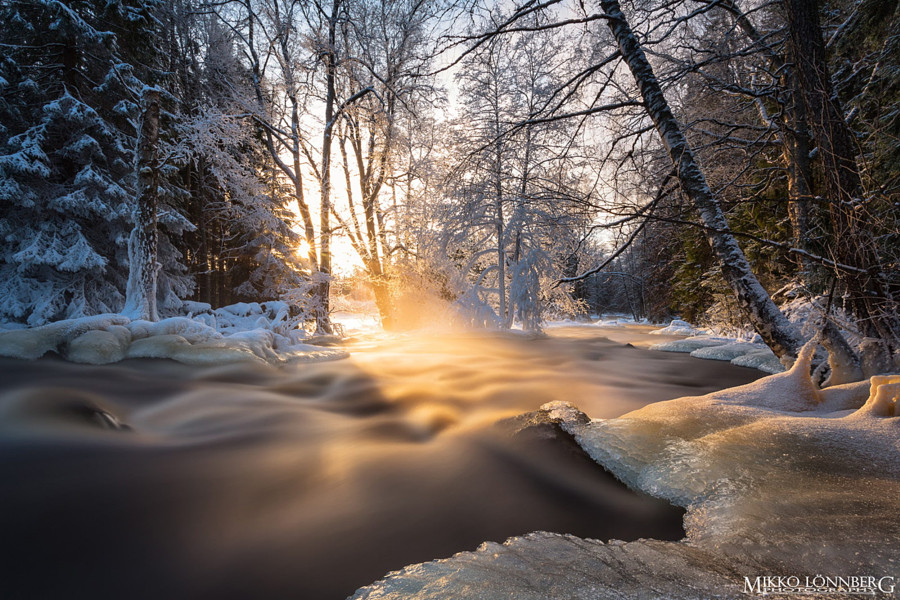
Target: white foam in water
point(778, 478)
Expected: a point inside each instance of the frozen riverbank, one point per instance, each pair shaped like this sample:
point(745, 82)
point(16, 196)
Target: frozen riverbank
point(779, 479)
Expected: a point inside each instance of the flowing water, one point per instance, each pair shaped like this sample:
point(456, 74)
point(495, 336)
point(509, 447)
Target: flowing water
point(151, 479)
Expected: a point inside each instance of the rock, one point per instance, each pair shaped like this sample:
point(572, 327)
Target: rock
point(99, 347)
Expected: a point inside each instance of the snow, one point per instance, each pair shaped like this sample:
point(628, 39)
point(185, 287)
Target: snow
point(753, 354)
point(728, 351)
point(678, 327)
point(778, 478)
point(247, 332)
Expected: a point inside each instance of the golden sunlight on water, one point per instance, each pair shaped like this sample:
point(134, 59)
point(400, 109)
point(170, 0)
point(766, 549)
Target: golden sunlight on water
point(151, 479)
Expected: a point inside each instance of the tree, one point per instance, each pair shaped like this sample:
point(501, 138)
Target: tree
point(765, 317)
point(140, 294)
point(66, 159)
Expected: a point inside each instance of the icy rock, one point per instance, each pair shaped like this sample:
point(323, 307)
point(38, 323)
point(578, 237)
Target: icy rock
point(763, 360)
point(30, 344)
point(195, 308)
point(189, 329)
point(727, 351)
point(677, 327)
point(551, 422)
point(98, 346)
point(241, 309)
point(178, 348)
point(689, 344)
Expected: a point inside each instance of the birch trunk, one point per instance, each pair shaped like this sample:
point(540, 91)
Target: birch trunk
point(140, 293)
point(753, 300)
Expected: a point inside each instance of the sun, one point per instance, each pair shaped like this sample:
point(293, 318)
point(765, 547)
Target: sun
point(302, 250)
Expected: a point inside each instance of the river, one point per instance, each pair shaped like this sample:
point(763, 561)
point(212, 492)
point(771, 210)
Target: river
point(152, 479)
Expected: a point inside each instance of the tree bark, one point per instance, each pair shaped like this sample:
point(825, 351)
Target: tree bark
point(753, 300)
point(870, 300)
point(140, 293)
point(323, 289)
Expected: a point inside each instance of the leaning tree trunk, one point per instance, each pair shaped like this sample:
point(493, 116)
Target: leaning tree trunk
point(140, 293)
point(754, 301)
point(854, 243)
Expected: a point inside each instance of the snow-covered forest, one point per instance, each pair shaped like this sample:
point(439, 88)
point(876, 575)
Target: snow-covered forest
point(714, 161)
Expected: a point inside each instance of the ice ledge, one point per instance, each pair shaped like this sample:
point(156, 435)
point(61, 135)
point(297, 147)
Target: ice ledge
point(542, 566)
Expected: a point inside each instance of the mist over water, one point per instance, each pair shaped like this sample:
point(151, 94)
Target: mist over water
point(151, 479)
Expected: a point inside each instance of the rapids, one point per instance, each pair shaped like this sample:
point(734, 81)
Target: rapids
point(152, 479)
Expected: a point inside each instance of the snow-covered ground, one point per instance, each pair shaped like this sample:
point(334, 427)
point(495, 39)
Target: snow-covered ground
point(778, 478)
point(258, 332)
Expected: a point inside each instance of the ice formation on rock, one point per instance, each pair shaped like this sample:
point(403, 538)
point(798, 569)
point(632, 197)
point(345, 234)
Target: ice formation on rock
point(678, 327)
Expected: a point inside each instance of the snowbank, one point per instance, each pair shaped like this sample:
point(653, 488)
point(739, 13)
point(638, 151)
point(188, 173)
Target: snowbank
point(678, 327)
point(778, 478)
point(753, 354)
point(264, 332)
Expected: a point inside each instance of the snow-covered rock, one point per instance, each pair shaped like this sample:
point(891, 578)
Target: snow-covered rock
point(247, 332)
point(778, 478)
point(99, 346)
point(763, 360)
point(678, 327)
point(727, 351)
point(38, 341)
point(753, 354)
point(690, 344)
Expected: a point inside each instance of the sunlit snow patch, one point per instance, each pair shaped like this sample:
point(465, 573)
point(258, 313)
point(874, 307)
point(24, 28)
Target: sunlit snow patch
point(678, 327)
point(778, 478)
point(105, 339)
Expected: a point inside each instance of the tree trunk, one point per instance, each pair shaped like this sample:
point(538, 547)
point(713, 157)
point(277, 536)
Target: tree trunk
point(854, 245)
point(796, 147)
point(753, 300)
point(382, 291)
point(140, 293)
point(323, 289)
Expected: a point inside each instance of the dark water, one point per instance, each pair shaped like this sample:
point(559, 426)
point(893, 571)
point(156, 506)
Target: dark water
point(150, 479)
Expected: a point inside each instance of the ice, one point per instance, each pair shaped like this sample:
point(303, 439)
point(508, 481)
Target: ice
point(542, 566)
point(99, 346)
point(678, 327)
point(778, 478)
point(689, 344)
point(884, 394)
point(38, 341)
point(256, 333)
point(763, 360)
point(728, 351)
point(753, 354)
